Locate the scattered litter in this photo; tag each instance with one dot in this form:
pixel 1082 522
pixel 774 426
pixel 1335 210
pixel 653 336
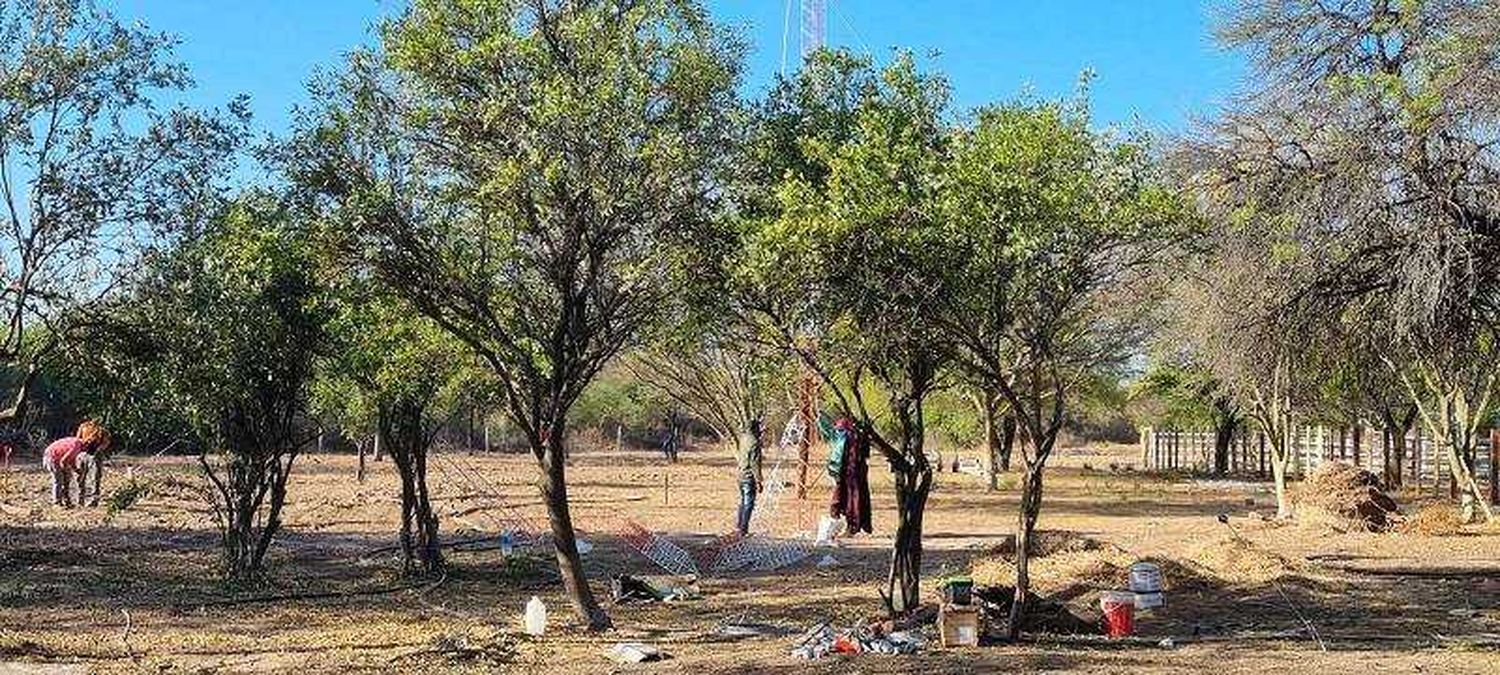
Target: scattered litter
pixel 1167 643
pixel 625 588
pixel 829 528
pixel 816 643
pixel 584 548
pixel 958 626
pixel 633 652
pixel 823 640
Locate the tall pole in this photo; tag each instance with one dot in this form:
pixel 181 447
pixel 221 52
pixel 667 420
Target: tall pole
pixel 806 410
pixel 814 26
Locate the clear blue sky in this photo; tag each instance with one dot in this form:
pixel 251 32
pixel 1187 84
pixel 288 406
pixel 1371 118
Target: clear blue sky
pixel 1154 60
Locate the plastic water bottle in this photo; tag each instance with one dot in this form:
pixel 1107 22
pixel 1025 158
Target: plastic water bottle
pixel 536 617
pixel 507 544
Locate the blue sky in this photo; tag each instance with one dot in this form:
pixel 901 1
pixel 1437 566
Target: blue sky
pixel 1154 61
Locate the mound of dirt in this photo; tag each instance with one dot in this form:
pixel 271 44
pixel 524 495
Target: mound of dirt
pixel 1235 560
pixel 1347 494
pixel 1048 542
pixel 1064 563
pixel 1434 520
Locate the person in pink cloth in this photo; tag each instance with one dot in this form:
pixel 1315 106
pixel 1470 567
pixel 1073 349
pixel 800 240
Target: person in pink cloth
pixel 80 455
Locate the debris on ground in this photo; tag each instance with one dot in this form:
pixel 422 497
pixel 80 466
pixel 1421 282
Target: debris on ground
pixel 625 588
pixel 828 561
pixel 634 652
pixel 1043 615
pixel 1347 498
pixel 958 626
pixel 823 640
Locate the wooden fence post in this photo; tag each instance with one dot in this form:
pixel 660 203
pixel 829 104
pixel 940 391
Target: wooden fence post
pixel 1495 466
pixel 1260 438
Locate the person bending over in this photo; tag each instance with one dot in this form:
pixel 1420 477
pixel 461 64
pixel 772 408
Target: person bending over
pixel 80 455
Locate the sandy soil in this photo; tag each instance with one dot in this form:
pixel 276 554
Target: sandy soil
pixel 136 590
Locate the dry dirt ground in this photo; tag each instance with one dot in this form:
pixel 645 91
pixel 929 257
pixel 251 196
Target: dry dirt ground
pixel 89 591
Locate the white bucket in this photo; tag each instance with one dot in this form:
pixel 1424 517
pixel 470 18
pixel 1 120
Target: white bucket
pixel 1148 600
pixel 1145 578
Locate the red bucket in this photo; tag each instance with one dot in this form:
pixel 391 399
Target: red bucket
pixel 1119 613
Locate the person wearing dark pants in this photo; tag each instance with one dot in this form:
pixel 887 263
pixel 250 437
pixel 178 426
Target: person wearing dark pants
pixel 748 459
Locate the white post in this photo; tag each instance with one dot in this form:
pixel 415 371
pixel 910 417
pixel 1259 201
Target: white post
pixel 486 435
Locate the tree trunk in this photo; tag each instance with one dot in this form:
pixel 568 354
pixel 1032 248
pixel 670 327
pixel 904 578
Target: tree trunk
pixel 1031 507
pixel 1277 434
pixel 991 445
pixel 402 425
pixel 1223 436
pixel 1007 441
pixel 549 454
pixel 903 592
pixel 1397 453
pixel 359 474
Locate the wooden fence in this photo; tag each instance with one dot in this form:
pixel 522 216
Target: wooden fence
pixel 1425 464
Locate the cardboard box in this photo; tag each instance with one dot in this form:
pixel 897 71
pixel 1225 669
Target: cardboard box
pixel 958 625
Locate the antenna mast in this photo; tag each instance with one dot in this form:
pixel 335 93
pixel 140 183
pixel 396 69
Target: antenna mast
pixel 814 25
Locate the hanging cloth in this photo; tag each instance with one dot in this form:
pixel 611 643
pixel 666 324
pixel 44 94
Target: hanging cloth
pixel 851 491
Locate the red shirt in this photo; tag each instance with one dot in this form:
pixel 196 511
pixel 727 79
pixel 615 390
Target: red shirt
pixel 64 452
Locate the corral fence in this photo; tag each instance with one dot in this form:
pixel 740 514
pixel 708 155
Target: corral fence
pixel 1424 464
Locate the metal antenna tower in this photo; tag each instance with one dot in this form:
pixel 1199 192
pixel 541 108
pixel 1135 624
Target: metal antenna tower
pixel 814 25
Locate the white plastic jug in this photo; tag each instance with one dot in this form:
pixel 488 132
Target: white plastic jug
pixel 828 529
pixel 536 617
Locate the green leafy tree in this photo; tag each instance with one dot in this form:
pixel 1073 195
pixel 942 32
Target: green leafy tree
pixel 93 177
pixel 224 332
pixel 1189 395
pixel 1050 226
pixel 533 177
pixel 842 277
pixel 401 374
